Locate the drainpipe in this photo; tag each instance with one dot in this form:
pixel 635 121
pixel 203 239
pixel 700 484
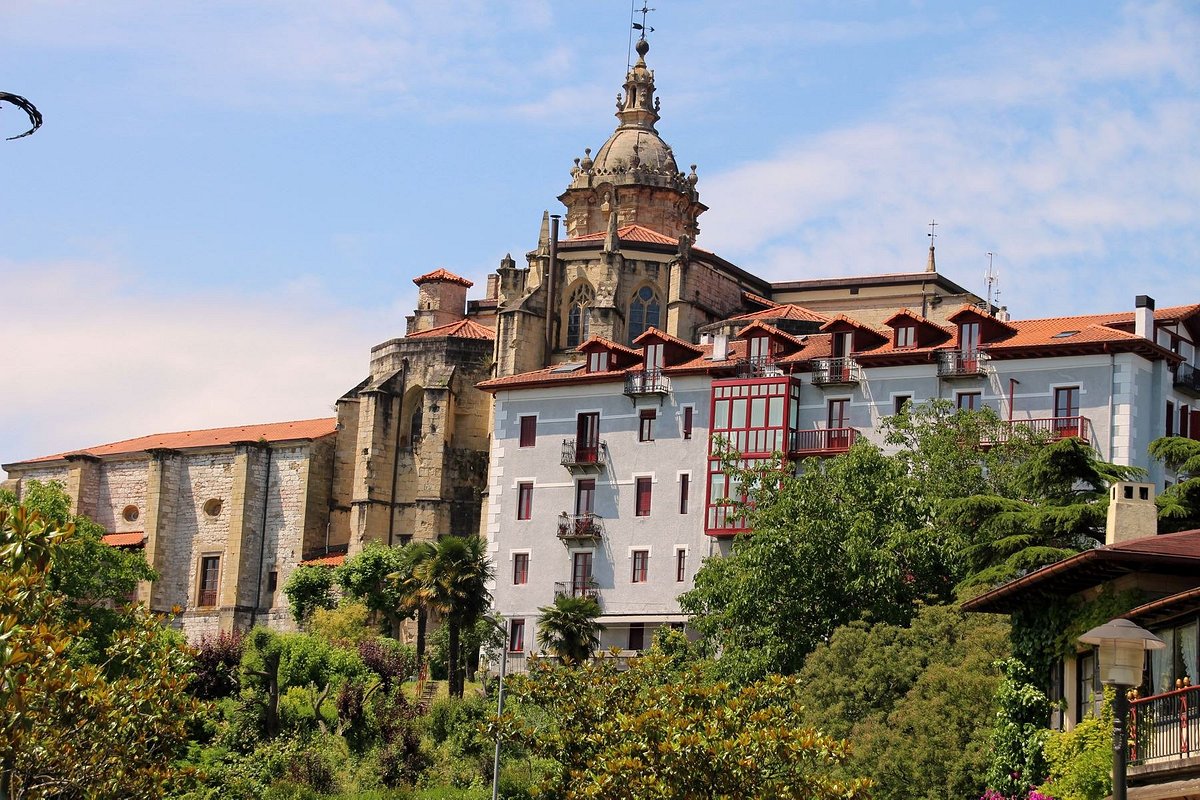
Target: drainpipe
pixel 398 418
pixel 262 542
pixel 1012 382
pixel 550 301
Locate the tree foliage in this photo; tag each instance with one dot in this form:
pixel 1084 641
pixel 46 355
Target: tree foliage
pixel 568 628
pixel 106 728
pixel 845 539
pixel 1079 761
pixel 1018 762
pixel 916 700
pixel 309 589
pixel 453 581
pixel 655 732
pixel 1179 506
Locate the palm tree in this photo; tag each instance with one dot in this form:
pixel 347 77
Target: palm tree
pixel 569 628
pixel 412 602
pixel 453 580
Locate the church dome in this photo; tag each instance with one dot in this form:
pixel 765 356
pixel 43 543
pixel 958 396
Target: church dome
pixel 628 148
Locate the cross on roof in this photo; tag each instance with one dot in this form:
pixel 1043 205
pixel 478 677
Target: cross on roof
pixel 641 26
pixel 932 231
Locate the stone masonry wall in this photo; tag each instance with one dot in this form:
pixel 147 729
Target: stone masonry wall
pixel 193 479
pixel 120 484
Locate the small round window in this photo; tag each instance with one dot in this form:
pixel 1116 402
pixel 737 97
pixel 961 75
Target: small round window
pixel 131 513
pixel 213 507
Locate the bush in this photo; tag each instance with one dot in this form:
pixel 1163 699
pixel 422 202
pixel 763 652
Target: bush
pixel 348 624
pixel 1078 762
pixel 216 666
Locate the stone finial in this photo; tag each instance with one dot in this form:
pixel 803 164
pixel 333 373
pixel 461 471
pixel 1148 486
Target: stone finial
pixel 692 177
pixel 586 162
pixel 612 242
pixel 507 262
pixel 544 235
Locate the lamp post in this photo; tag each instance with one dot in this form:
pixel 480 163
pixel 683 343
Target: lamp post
pixel 499 704
pixel 1122 657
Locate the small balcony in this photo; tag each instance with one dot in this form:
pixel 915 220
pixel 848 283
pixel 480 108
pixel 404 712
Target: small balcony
pixel 584 456
pixel 1054 427
pixel 1187 379
pixel 836 372
pixel 650 381
pixel 583 588
pixel 580 528
pixel 761 367
pixel 1164 734
pixel 960 364
pixel 826 442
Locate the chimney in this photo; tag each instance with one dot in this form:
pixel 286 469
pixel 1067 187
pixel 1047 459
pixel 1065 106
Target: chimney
pixel 1132 513
pixel 1143 317
pixel 720 346
pixel 492 284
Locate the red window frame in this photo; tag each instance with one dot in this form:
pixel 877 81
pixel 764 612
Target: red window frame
pixel 688 412
pixel 1066 402
pixel 641 566
pixel 516 636
pixel 685 485
pixel 524 501
pixel 585 496
pixel 643 487
pixel 968 401
pixel 528 431
pixel 520 568
pixel 646 419
pixel 680 565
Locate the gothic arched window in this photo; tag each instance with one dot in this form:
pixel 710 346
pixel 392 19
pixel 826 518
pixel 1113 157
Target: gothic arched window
pixel 577 315
pixel 643 312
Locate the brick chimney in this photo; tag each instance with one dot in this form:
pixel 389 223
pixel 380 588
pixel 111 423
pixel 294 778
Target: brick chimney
pixel 1132 513
pixel 1143 316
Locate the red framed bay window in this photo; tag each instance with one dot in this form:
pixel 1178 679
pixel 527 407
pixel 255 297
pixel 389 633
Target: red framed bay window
pixel 524 501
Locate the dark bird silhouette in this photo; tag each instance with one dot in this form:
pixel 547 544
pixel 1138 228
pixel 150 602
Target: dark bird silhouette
pixel 35 116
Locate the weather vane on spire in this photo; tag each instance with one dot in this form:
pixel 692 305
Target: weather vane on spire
pixel 932 231
pixel 641 26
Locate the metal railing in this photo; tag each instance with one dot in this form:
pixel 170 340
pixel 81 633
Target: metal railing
pixel 650 381
pixel 1164 726
pixel 826 441
pixel 836 372
pixel 952 363
pixel 1056 427
pixel 757 367
pixel 580 526
pixel 587 454
pixel 1187 377
pixel 584 588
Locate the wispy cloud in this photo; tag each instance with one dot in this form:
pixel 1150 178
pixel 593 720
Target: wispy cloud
pixel 1054 161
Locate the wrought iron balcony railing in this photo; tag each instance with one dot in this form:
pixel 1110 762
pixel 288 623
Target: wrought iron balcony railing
pixel 960 363
pixel 758 367
pixel 1187 378
pixel 580 527
pixel 1056 428
pixel 825 442
pixel 583 454
pixel 836 372
pixel 583 588
pixel 1164 726
pixel 650 381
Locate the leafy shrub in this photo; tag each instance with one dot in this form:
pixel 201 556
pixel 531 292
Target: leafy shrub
pixel 388 659
pixel 216 666
pixel 308 589
pixel 347 624
pixel 1079 761
pixel 1017 760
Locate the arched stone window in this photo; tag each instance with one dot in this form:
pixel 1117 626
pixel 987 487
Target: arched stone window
pixel 643 312
pixel 577 315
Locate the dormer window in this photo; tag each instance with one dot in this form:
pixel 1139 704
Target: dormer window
pixel 842 344
pixel 760 350
pixel 654 357
pixel 968 337
pixel 906 336
pixel 598 361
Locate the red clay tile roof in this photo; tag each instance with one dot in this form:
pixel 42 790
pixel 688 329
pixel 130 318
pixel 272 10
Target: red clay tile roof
pixel 608 344
pixel 787 311
pixel 751 297
pixel 463 329
pixel 655 333
pixel 629 233
pixel 130 539
pixel 905 313
pixel 769 330
pixel 440 274
pixel 551 375
pixel 335 560
pixel 211 437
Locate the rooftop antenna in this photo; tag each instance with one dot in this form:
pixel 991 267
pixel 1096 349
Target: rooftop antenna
pixel 992 280
pixel 636 26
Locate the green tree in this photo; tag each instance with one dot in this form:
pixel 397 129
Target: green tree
pixel 309 589
pixel 654 732
pixel 409 591
pixel 453 581
pixel 845 539
pixel 916 700
pixel 569 629
pixel 1019 732
pixel 108 728
pixel 1059 508
pixel 94 580
pixel 366 576
pixel 1179 506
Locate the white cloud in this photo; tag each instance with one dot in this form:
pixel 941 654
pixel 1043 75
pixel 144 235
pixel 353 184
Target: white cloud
pixel 91 358
pixel 1057 163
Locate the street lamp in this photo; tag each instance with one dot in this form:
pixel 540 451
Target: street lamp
pixel 1122 655
pixel 499 704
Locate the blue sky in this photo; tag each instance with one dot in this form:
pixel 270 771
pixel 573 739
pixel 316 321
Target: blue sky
pixel 229 199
